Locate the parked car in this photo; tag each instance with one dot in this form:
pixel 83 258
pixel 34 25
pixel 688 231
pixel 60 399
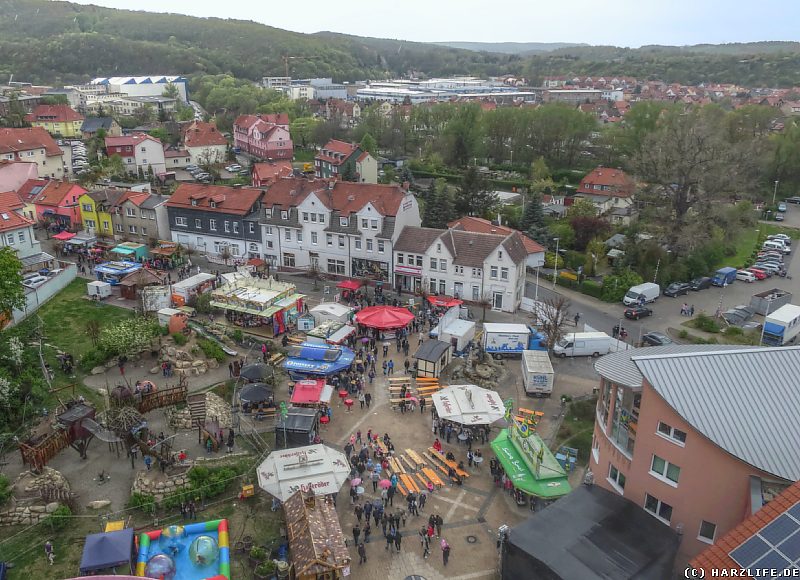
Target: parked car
pixel 779 217
pixel 677 288
pixel 233 168
pixel 769 267
pixel 745 276
pixel 191 168
pixel 759 274
pixel 701 283
pixel 794 199
pixel 34 281
pixel 637 312
pixel 782 206
pixel 655 339
pixel 783 237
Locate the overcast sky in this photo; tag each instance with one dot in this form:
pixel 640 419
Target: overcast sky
pixel 621 23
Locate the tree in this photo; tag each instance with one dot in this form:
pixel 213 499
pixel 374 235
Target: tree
pixel 369 145
pixel 463 135
pixel 12 293
pixel 615 286
pixel 171 91
pixel 586 228
pixel 438 206
pixel 349 172
pixel 144 115
pixel 552 317
pixel 484 302
pixel 93 331
pixel 474 196
pixel 539 170
pixel 582 208
pixel 595 257
pixel 315 272
pixel 533 216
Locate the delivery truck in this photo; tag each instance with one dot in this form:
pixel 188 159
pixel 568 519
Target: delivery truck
pixel 782 327
pixel 584 344
pixel 724 276
pixel 504 340
pixel 647 292
pixel 537 373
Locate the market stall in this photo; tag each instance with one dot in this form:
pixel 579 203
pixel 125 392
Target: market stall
pixel 185 290
pixel 252 302
pixel 114 272
pixel 332 311
pixel 129 251
pixel 311 393
pixel 132 284
pixel 63 236
pixel 384 317
pixel 330 332
pixel 432 356
pixel 469 405
pixel 298 428
pixel 311 468
pixel 453 330
pixel 111 552
pixel 444 301
pixel 316 543
pixel 166 255
pixel 317 360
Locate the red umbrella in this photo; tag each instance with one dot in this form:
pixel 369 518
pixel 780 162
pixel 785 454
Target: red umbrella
pixel 349 285
pixel 63 236
pixel 384 484
pixel 384 317
pixel 445 301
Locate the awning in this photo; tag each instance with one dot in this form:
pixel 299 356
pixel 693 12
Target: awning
pixel 315 468
pixel 308 392
pixel 384 317
pixel 546 486
pixel 445 301
pixel 124 251
pixel 468 404
pixel 289 301
pixel 38 258
pixel 63 236
pixel 349 285
pixel 340 335
pixel 266 313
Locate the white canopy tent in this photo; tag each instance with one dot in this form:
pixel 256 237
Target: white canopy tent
pixel 469 405
pixel 314 468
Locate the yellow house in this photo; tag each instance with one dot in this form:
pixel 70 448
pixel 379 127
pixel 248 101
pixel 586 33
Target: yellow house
pixel 97 211
pixel 57 120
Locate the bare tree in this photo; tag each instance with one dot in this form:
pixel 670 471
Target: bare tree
pixel 93 331
pixel 315 273
pixel 552 317
pixel 484 302
pixel 225 254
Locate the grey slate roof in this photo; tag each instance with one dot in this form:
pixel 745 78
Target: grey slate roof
pixel 515 247
pixel 470 248
pixel 431 350
pixel 153 201
pixel 293 220
pixel 745 400
pixel 93 124
pixel 416 240
pixel 335 226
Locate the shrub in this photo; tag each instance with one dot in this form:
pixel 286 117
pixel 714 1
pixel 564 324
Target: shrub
pixel 705 323
pixel 592 288
pixel 93 358
pixel 733 331
pixel 258 553
pixel 265 568
pixel 5 489
pixel 59 519
pixel 180 339
pixel 142 501
pixel 237 335
pixel 129 336
pixel 683 334
pixel 211 349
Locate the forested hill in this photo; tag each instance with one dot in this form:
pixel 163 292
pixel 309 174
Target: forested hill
pixel 53 42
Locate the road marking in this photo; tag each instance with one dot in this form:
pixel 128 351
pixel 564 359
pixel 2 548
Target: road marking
pixel 457 502
pixel 453 501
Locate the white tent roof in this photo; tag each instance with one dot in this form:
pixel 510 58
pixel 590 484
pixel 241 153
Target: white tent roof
pixel 469 405
pixel 333 309
pixel 314 468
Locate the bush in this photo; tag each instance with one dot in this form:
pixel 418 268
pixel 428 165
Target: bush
pixel 93 358
pixel 705 323
pixel 59 519
pixel 237 335
pixel 5 489
pixel 129 336
pixel 733 331
pixel 265 568
pixel 683 334
pixel 258 553
pixel 615 287
pixel 180 339
pixel 211 349
pixel 142 501
pixel 592 288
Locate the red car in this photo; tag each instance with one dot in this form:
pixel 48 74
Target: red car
pixel 759 274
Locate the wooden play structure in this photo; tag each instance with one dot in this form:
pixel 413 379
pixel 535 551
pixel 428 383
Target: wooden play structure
pixel 70 429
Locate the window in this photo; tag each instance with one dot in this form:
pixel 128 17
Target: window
pixel 369 245
pixel 459 270
pixel 434 263
pixel 130 212
pixel 493 273
pixel 443 265
pixel 90 223
pixel 433 285
pixel 476 292
pixel 314 237
pixel 357 243
pixel 499 254
pixel 314 218
pixel 105 225
pixel 336 266
pixel 658 508
pixel 595 450
pixel 300 235
pixel 22 236
pixel 212 203
pixel 284 215
pixel 329 239
pixel 439 247
pixel 152 215
pixel 198 223
pixel 664 470
pixel 341 241
pixel 288 260
pixel 212 225
pixel 399 258
pixel 120 230
pixel 194 202
pixel 235 227
pixel 707 532
pixel 179 221
pixel 668 432
pixel 322 218
pixel 227 226
pixel 251 227
pixel 287 234
pixel 132 229
pixel 476 273
pixel 364 223
pixel 343 222
pixel 87 207
pixel 381 246
pixel 616 479
pixel 374 224
pixel 268 212
pixel 10 238
pixel 504 273
pixel 268 230
pixel 305 216
pixel 419 261
pixel 144 231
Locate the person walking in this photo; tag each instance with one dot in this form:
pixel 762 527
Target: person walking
pixel 359 511
pixel 445 551
pixel 397 541
pixel 231 440
pixel 368 396
pixel 439 523
pixel 391 367
pixel 385 349
pixel 192 510
pixel 374 477
pixel 385 367
pixel 356 533
pixel 384 522
pixel 362 553
pixel 367 511
pixel 367 531
pixel 362 399
pixel 422 404
pixel 423 497
pixel 390 495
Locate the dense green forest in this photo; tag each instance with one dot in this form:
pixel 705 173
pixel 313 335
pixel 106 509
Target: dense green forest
pixel 60 42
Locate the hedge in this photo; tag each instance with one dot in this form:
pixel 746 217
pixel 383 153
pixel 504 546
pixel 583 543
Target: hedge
pixel 588 287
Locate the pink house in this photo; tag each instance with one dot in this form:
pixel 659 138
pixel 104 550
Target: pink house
pixel 700 437
pixel 263 136
pixel 14 173
pixel 58 202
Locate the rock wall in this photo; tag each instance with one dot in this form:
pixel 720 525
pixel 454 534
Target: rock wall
pixel 159 485
pixel 216 409
pixel 27 506
pixel 183 363
pixel 27 515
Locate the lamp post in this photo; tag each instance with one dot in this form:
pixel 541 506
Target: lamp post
pixel 775 191
pixel 555 264
pixel 536 293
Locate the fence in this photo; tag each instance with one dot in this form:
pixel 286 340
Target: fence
pixel 162 398
pixel 37 456
pixel 36 297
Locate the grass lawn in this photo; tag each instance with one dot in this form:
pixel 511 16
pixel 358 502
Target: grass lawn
pixel 577 428
pixel 304 155
pixel 66 315
pixel 746 242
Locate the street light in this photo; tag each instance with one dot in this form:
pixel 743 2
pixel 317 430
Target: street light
pixel 555 276
pixel 775 191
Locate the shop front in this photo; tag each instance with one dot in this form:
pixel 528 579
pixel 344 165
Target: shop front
pixel 409 278
pixel 372 269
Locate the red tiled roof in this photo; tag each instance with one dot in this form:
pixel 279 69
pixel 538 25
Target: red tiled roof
pixel 129 140
pixel 135 197
pixel 617 181
pixel 200 134
pixel 25 190
pixel 290 191
pixel 55 192
pixel 336 146
pixel 271 171
pixel 170 153
pixel 14 140
pixel 483 226
pixel 716 557
pixel 363 156
pixel 53 114
pixel 247 121
pixel 10 202
pixel 348 197
pixel 238 201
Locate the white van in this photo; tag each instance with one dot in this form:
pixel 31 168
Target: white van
pixel 745 276
pixel 776 245
pixel 649 291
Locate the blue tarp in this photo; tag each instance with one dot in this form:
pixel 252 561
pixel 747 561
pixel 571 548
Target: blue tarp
pixel 318 359
pixel 772 328
pixel 108 550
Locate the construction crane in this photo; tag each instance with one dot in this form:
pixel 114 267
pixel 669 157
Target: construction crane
pixel 287 58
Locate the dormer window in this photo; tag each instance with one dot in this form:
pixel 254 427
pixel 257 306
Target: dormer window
pixel 268 212
pixel 344 222
pixel 284 215
pixel 213 204
pixel 194 202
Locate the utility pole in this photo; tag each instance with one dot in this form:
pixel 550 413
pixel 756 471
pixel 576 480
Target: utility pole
pixel 555 264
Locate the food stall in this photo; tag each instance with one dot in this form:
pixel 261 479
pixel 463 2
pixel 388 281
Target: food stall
pixel 453 330
pixel 129 251
pixel 132 284
pixel 166 255
pixel 251 302
pixel 332 311
pixel 186 290
pixel 330 332
pixel 114 272
pixel 316 360
pixel 311 393
pixel 432 356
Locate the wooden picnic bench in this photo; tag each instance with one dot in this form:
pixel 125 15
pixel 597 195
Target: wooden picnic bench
pixel 432 477
pixel 421 477
pixel 399 380
pixel 396 466
pixel 276 358
pixel 401 488
pixel 409 483
pixel 448 463
pixel 428 390
pixel 427 380
pixel 415 458
pixel 438 466
pixel 382 446
pixel 411 465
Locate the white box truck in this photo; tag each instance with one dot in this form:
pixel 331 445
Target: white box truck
pixel 583 344
pixel 500 340
pixel 98 290
pixel 537 373
pixel 647 291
